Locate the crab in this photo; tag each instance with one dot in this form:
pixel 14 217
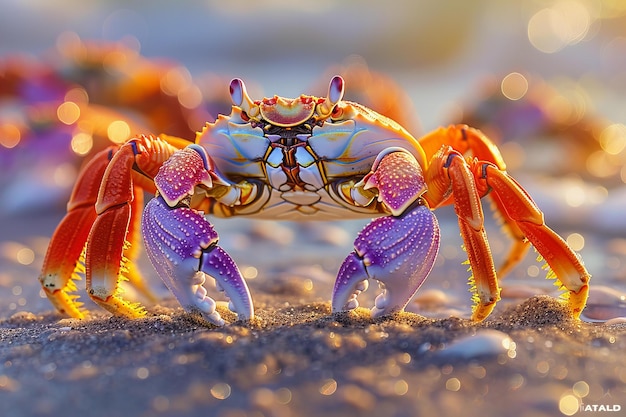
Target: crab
pixel 306 158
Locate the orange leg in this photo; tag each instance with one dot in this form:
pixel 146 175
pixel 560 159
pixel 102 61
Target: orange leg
pixel 566 266
pixel 131 251
pixel 469 180
pixel 463 139
pixel 108 257
pixel 99 235
pixel 484 281
pixel 63 262
pixel 470 141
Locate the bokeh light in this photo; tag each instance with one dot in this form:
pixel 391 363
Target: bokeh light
pixel 190 97
pixel 221 391
pixel 600 165
pixel 565 23
pixel 613 138
pixel 581 389
pixel 175 80
pixel 68 112
pixel 576 241
pixel 10 135
pixel 25 256
pixel 569 404
pixel 514 86
pixel 118 131
pixel 81 143
pixel 77 95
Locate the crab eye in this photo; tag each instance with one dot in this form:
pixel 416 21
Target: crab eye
pixel 237 91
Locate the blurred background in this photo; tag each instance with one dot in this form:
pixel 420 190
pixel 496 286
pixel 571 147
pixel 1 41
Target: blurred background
pixel 545 78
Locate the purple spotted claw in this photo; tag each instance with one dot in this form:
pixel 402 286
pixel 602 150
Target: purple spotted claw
pixel 182 247
pixel 398 252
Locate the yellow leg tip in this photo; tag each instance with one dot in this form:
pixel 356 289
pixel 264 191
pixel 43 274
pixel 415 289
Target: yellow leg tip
pixel 577 301
pixel 482 311
pixel 120 307
pixel 66 304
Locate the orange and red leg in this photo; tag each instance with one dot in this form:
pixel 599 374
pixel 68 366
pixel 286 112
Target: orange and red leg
pixel 100 232
pixel 64 261
pixel 470 179
pixel 469 141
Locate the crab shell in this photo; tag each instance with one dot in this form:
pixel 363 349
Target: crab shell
pixel 304 154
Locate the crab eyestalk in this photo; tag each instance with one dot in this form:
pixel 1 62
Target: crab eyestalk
pixel 240 98
pixel 335 94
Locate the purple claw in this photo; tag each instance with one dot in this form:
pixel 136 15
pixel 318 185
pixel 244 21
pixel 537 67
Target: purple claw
pixel 399 252
pixel 182 247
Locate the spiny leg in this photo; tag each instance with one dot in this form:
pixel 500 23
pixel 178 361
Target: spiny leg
pixel 107 257
pixel 108 260
pixel 398 250
pixel 64 260
pixel 469 141
pixel 483 149
pixel 131 250
pixel 467 205
pixel 567 268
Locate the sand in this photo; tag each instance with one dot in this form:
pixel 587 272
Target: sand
pixel 529 358
pixel 297 359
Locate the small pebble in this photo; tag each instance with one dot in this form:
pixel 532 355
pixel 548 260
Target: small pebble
pixel 603 295
pixel 520 291
pixel 431 297
pixel 616 320
pixel 600 313
pixel 484 343
pixel 23 317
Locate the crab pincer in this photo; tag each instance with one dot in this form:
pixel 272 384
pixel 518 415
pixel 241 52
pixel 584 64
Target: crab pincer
pixel 398 250
pixel 182 244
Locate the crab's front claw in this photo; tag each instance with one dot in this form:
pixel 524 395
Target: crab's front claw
pixel 182 247
pixel 398 252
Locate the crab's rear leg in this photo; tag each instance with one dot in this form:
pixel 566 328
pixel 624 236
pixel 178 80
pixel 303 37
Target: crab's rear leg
pixel 398 250
pixel 468 207
pixel 467 140
pixel 108 253
pixel 63 262
pixel 565 264
pixel 182 244
pixel 469 180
